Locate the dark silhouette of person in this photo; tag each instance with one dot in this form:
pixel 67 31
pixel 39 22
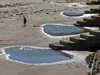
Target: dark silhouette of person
pixel 25 21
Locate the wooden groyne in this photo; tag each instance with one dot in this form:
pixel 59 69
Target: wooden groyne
pixel 93 21
pixel 93 3
pixel 86 41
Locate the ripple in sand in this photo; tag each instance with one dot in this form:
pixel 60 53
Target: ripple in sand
pixel 33 55
pixel 58 30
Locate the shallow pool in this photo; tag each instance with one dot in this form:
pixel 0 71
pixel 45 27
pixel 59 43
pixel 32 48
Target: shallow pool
pixel 33 55
pixel 60 30
pixel 73 13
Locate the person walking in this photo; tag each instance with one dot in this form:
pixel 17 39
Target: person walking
pixel 25 21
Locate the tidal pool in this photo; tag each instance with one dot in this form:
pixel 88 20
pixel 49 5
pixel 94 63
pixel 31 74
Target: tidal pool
pixel 33 55
pixel 76 14
pixel 73 13
pixel 59 30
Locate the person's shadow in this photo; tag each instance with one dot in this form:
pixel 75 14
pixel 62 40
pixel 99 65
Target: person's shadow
pixel 24 25
pixel 89 73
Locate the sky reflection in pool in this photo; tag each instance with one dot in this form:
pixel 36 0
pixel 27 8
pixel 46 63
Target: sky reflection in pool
pixel 34 55
pixel 59 30
pixel 73 13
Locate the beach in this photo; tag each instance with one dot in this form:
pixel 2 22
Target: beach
pixel 38 13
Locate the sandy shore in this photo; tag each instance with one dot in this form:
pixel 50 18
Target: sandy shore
pixel 14 34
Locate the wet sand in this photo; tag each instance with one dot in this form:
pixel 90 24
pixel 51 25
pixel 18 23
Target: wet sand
pixel 14 34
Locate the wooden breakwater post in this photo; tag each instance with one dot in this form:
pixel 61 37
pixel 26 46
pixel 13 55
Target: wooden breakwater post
pixel 86 41
pixel 93 3
pixel 93 21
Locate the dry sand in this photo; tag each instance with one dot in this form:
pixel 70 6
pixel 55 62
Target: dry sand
pixel 37 13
